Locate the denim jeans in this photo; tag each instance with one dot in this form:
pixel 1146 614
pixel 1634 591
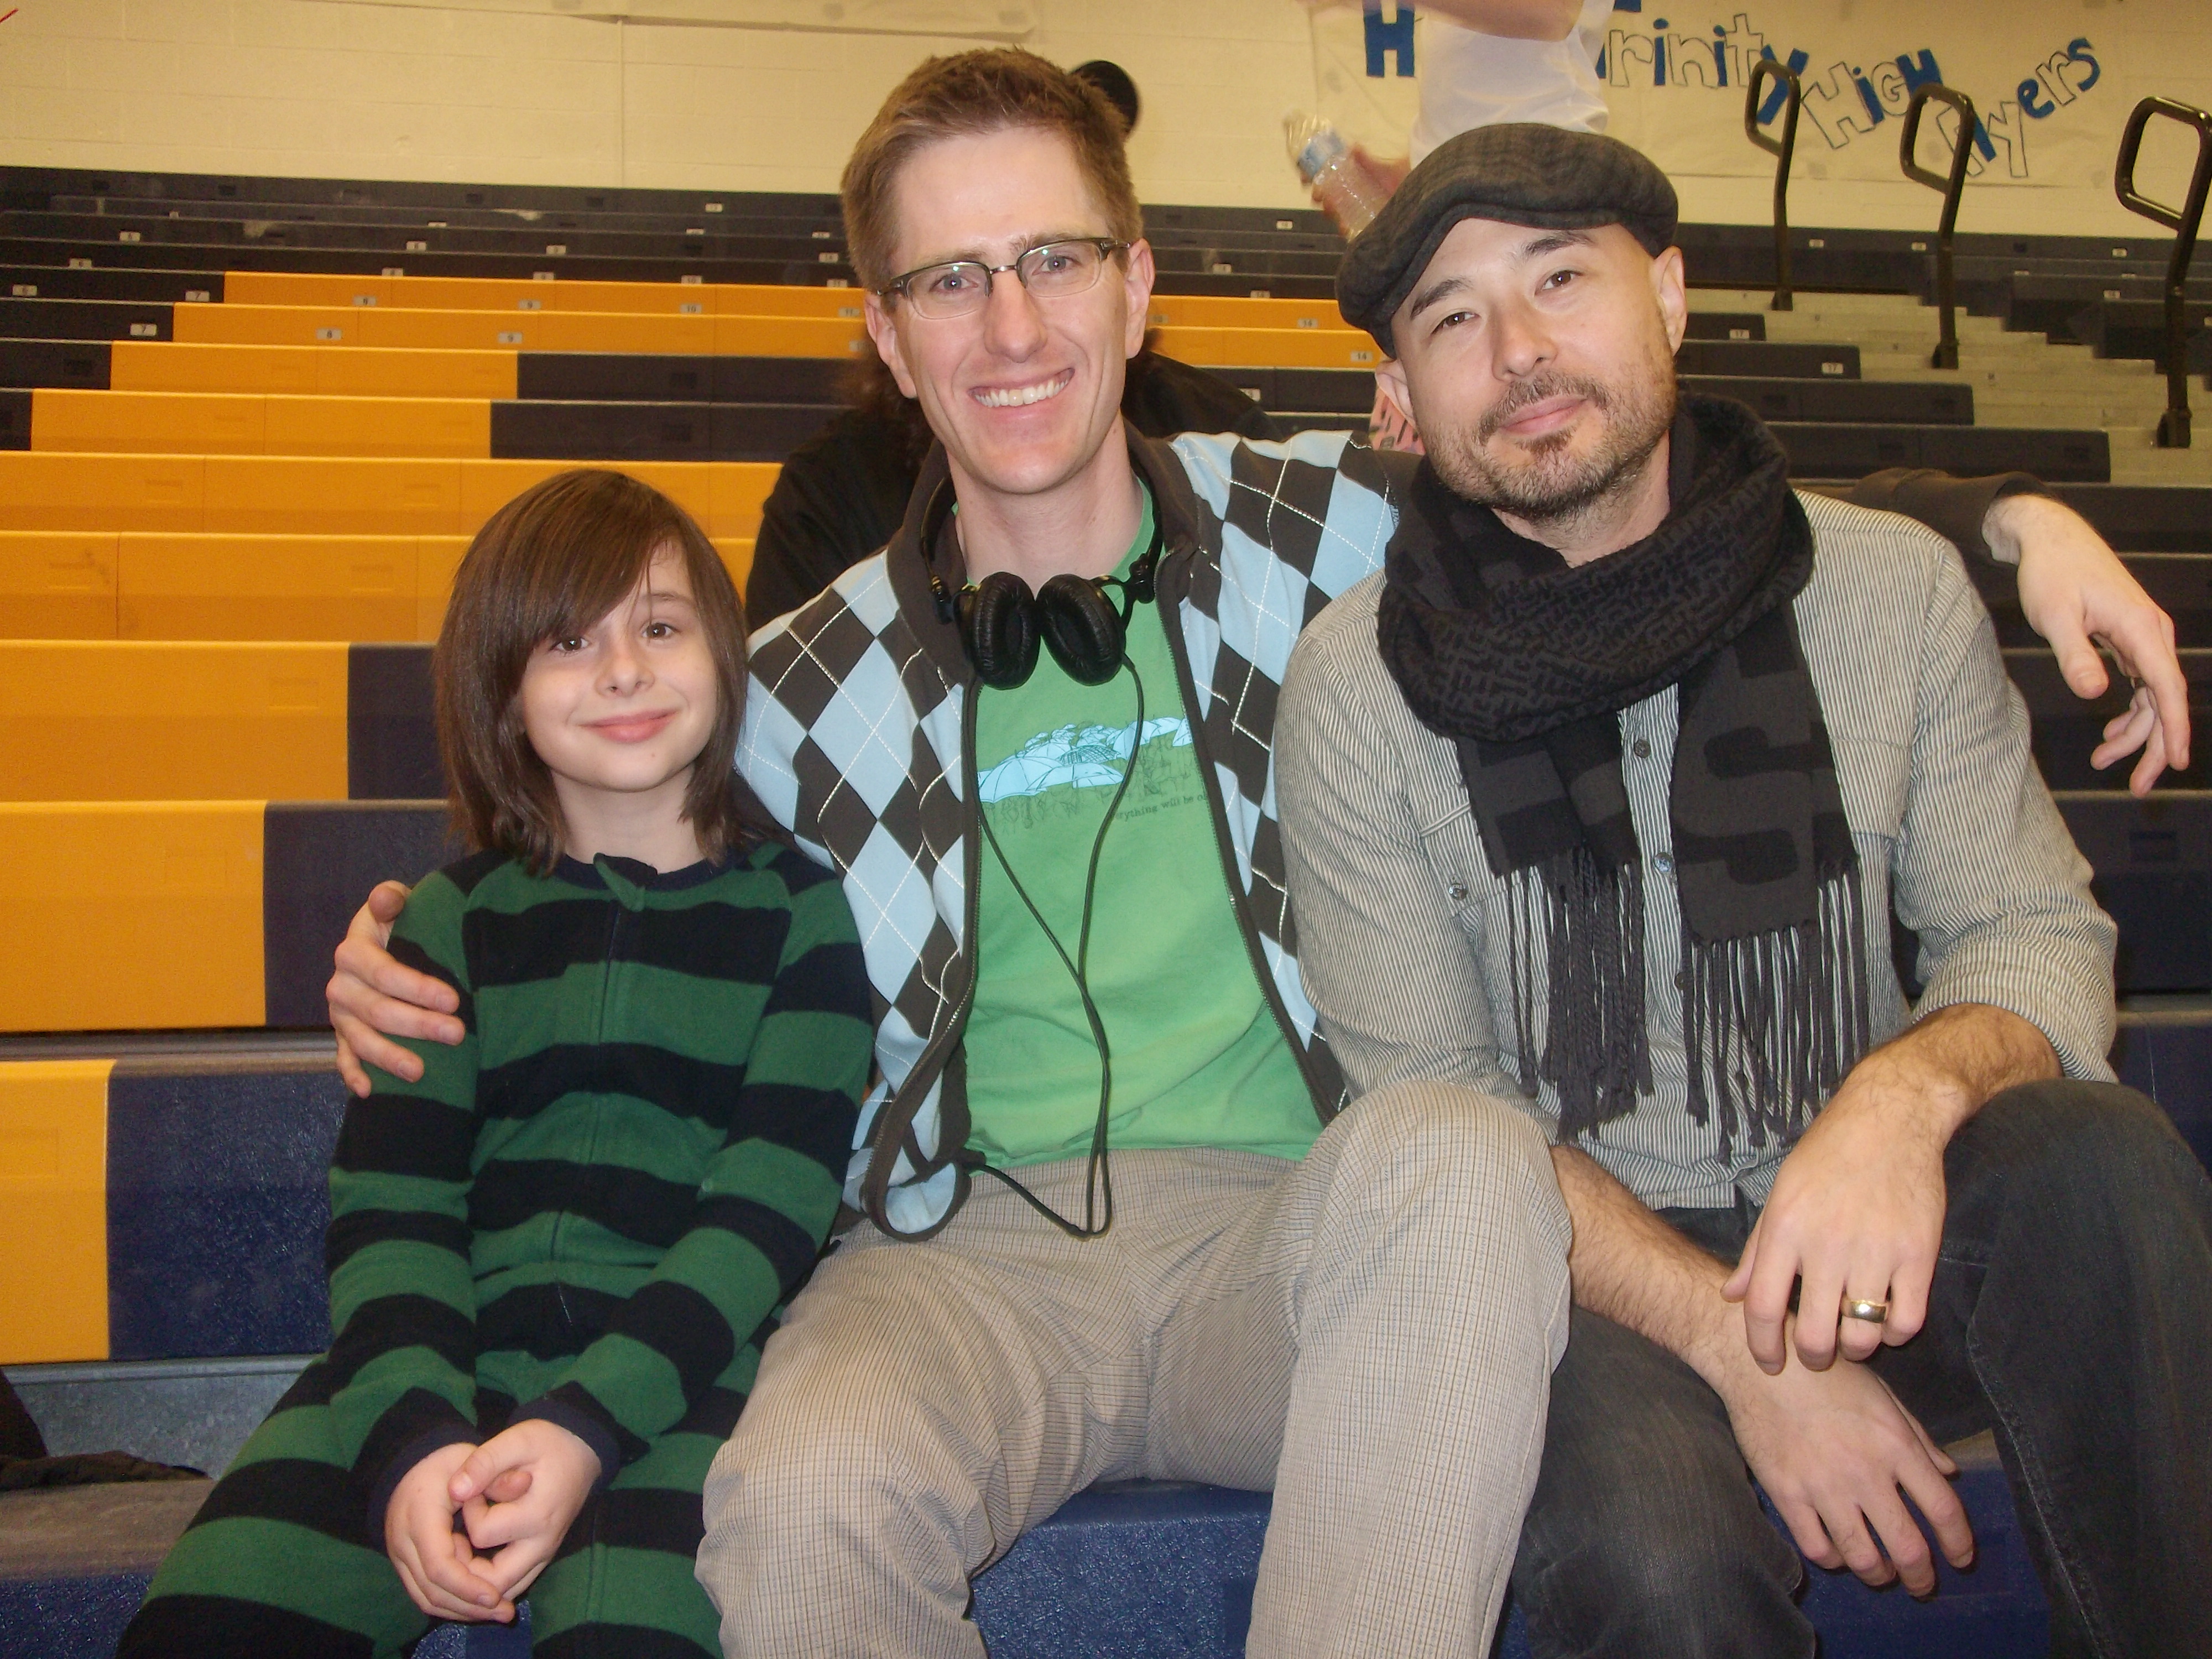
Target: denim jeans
pixel 2071 1312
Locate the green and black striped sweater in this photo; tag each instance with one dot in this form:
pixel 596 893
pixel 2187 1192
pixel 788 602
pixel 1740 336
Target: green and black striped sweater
pixel 594 1203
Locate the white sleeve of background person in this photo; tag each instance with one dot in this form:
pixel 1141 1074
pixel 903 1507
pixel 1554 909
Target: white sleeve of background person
pixel 1470 80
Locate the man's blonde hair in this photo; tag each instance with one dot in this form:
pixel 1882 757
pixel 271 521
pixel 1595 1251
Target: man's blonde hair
pixel 969 94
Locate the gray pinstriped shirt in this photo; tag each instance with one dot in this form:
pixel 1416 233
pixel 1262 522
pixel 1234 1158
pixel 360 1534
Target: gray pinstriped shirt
pixel 1402 924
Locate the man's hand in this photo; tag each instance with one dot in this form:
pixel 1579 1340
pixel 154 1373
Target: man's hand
pixel 2073 590
pixel 519 1495
pixel 372 997
pixel 441 1572
pixel 1857 1206
pixel 1832 1448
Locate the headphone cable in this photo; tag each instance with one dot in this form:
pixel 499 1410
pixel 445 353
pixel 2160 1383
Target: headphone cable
pixel 1098 1174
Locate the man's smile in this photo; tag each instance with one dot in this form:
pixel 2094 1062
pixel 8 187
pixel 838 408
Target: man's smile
pixel 1020 397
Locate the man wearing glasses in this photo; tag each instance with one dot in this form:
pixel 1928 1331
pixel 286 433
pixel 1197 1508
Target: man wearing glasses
pixel 1111 1223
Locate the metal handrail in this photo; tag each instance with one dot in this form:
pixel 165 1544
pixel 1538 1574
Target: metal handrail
pixel 1952 185
pixel 2173 424
pixel 1785 147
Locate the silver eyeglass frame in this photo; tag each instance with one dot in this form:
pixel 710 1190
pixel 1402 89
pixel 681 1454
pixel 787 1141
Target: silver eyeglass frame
pixel 899 287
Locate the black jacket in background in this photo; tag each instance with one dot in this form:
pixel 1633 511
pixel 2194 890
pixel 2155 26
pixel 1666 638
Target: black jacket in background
pixel 843 492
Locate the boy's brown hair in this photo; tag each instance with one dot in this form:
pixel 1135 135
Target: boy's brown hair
pixel 968 94
pixel 552 562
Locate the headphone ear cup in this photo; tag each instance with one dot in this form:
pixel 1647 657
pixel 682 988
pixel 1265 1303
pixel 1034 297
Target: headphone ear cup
pixel 998 626
pixel 1081 627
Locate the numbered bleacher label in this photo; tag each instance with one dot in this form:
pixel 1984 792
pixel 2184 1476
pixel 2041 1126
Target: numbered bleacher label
pixel 330 335
pixel 510 336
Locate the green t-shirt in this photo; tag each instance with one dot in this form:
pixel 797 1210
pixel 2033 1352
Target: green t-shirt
pixel 1199 1060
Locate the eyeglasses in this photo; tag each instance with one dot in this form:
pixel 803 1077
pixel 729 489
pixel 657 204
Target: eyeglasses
pixel 959 287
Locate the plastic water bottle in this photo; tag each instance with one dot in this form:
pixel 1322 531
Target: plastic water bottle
pixel 1325 162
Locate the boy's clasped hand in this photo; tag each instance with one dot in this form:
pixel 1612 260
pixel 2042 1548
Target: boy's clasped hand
pixel 514 1497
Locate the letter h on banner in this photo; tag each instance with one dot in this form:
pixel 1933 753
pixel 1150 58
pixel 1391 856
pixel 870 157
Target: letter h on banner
pixel 1394 36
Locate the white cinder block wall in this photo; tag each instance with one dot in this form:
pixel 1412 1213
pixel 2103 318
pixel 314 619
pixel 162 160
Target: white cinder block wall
pixel 335 88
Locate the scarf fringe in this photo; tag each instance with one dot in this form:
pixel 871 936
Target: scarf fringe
pixel 1773 1022
pixel 1595 1052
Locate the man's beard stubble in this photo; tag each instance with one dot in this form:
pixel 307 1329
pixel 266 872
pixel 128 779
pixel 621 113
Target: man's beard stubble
pixel 1551 489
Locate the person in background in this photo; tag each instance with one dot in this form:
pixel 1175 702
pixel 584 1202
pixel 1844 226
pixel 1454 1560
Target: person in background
pixel 842 493
pixel 552 1253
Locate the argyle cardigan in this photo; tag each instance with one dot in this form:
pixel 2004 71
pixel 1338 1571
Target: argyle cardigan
pixel 858 736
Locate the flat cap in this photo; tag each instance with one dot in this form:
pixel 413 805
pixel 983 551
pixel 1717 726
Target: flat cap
pixel 1519 174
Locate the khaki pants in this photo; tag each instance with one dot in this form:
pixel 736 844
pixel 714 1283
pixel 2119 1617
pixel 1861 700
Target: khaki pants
pixel 1370 1332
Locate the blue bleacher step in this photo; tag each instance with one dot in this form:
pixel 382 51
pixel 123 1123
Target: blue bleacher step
pixel 1137 1570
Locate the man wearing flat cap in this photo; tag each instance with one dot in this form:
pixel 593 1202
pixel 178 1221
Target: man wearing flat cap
pixel 1601 797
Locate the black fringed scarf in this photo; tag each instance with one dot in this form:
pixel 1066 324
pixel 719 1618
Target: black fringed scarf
pixel 1525 663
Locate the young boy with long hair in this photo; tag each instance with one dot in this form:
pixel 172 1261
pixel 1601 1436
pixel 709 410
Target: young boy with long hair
pixel 553 1259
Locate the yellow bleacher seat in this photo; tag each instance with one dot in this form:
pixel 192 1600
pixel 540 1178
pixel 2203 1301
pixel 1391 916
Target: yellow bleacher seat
pixel 304 288
pixel 330 371
pixel 395 327
pixel 130 915
pixel 149 423
pixel 351 495
pixel 270 588
pixel 548 330
pixel 134 720
pixel 101 492
pixel 57 585
pixel 53 1184
pixel 272 494
pixel 253 423
pixel 83 585
pixel 256 287
pixel 459 427
pixel 1226 311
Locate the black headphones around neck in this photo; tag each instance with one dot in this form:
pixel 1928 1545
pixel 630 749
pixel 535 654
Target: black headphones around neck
pixel 1002 622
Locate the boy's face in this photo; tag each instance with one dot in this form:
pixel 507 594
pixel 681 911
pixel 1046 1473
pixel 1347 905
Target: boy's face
pixel 624 706
pixel 1023 392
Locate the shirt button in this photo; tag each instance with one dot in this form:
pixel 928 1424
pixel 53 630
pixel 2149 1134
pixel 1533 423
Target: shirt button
pixel 1458 891
pixel 1641 749
pixel 1663 863
pixel 1681 979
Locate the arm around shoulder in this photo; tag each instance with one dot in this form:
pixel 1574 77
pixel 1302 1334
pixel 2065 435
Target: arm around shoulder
pixel 1984 872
